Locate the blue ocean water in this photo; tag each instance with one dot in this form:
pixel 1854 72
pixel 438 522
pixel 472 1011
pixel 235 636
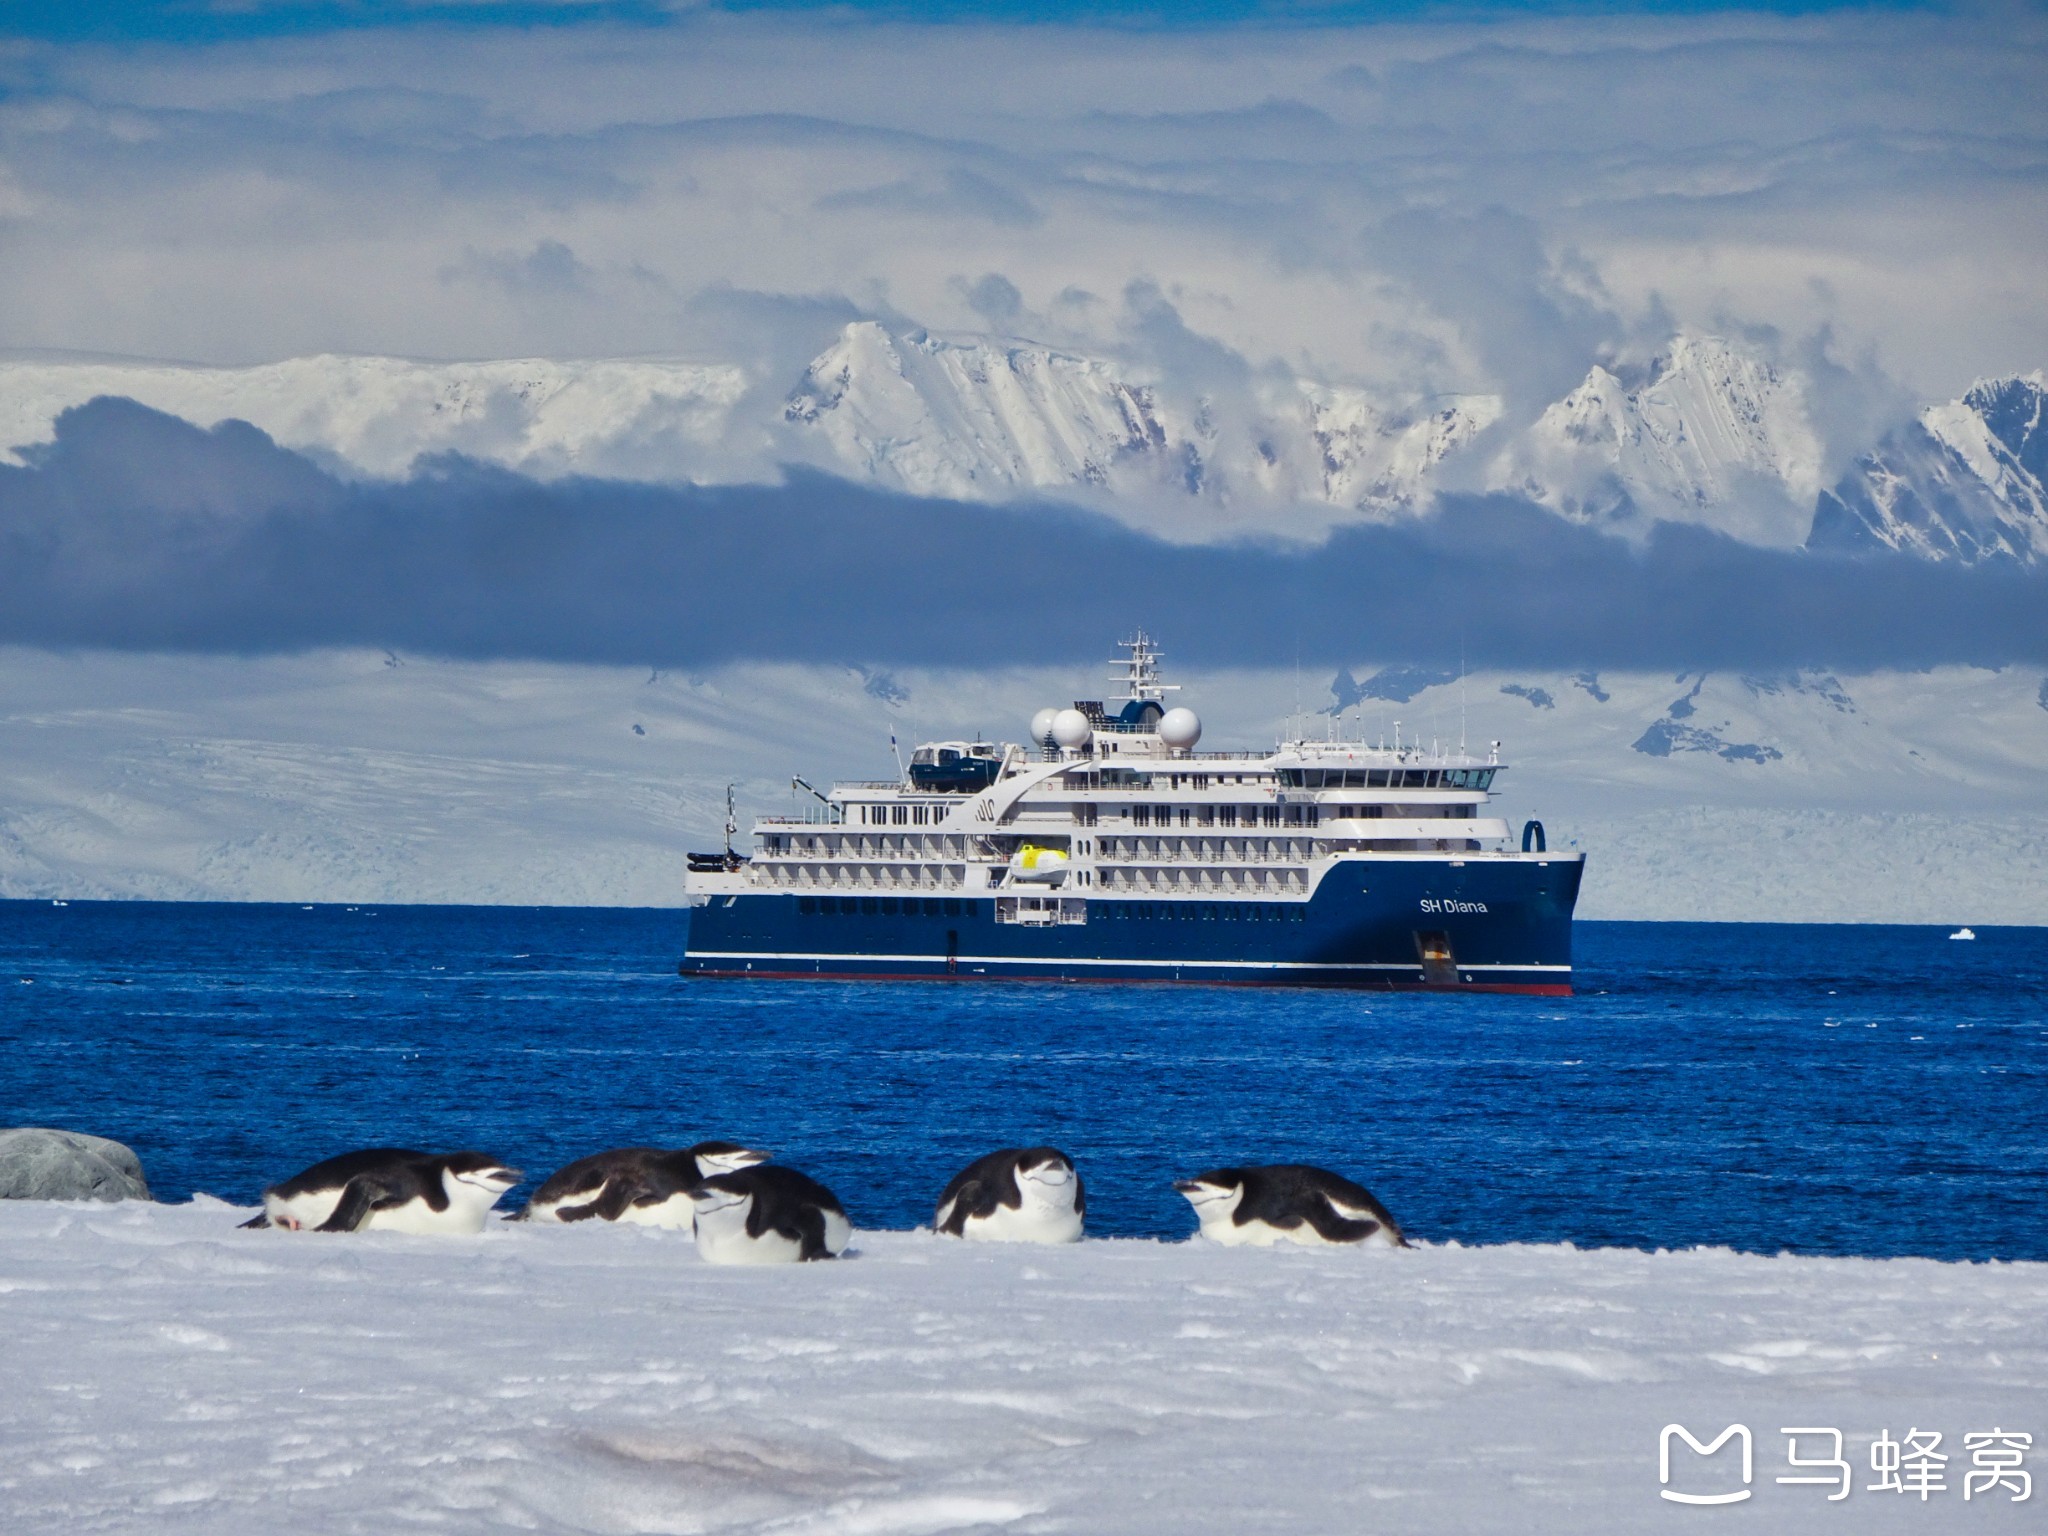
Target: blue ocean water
pixel 1842 1090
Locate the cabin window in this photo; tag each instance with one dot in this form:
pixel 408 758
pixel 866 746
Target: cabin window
pixel 952 905
pixel 1186 816
pixel 1208 816
pixel 807 905
pixel 1141 815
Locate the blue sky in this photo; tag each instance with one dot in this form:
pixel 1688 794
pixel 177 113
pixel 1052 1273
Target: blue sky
pixel 199 20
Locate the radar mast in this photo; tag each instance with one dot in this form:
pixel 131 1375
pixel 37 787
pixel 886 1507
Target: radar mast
pixel 1139 671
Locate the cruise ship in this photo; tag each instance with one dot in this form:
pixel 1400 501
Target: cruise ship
pixel 1108 848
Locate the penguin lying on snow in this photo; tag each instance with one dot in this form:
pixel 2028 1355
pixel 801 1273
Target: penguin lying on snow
pixel 1017 1195
pixel 389 1189
pixel 768 1215
pixel 1286 1203
pixel 643 1186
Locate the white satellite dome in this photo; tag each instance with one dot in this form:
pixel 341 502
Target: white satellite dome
pixel 1070 728
pixel 1180 728
pixel 1041 725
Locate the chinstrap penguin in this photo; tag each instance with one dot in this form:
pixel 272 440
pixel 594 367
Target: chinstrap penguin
pixel 768 1215
pixel 643 1186
pixel 1017 1195
pixel 389 1189
pixel 1287 1203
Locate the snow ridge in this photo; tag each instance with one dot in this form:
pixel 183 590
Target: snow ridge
pixel 375 415
pixel 1967 481
pixel 1711 433
pixel 1714 436
pixel 973 417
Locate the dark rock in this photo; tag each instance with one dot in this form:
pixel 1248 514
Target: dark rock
pixel 41 1164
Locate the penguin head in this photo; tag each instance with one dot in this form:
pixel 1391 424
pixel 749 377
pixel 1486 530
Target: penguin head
pixel 1214 1195
pixel 713 1199
pixel 716 1157
pixel 474 1179
pixel 1045 1173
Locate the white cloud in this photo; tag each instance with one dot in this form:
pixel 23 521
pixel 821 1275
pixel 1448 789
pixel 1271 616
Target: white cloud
pixel 1420 208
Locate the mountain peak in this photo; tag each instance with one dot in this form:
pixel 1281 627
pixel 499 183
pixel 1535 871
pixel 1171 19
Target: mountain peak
pixel 1967 480
pixel 1713 434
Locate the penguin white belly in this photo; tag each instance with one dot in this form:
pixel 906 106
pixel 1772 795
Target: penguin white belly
pixel 676 1214
pixel 303 1212
pixel 722 1239
pixel 1029 1223
pixel 1253 1234
pixel 461 1218
pixel 549 1210
pixel 838 1233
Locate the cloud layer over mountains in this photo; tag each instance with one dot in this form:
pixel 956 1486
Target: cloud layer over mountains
pixel 1432 208
pixel 1634 269
pixel 136 530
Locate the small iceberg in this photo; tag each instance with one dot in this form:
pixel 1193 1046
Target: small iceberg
pixel 1963 933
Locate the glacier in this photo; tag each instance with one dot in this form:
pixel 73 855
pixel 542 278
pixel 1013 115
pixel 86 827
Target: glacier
pixel 361 776
pixel 168 1370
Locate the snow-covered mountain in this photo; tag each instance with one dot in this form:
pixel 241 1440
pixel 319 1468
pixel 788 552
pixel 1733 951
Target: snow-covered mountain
pixel 976 417
pixel 630 418
pixel 979 418
pixel 1967 481
pixel 1709 434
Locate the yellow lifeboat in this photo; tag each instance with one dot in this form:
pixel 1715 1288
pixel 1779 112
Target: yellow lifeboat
pixel 1045 866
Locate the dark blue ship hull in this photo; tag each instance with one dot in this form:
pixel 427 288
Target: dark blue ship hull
pixel 1481 925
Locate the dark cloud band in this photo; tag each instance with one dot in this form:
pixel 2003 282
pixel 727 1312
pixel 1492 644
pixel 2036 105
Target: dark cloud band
pixel 136 530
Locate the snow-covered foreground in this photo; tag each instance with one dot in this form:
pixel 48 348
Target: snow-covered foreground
pixel 166 1371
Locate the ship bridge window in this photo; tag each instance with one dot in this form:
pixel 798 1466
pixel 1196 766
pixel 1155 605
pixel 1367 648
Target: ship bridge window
pixel 1469 778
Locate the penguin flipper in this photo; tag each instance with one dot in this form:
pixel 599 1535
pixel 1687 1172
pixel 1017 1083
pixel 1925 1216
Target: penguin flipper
pixel 810 1232
pixel 973 1198
pixel 358 1199
pixel 1334 1228
pixel 260 1219
pixel 618 1197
